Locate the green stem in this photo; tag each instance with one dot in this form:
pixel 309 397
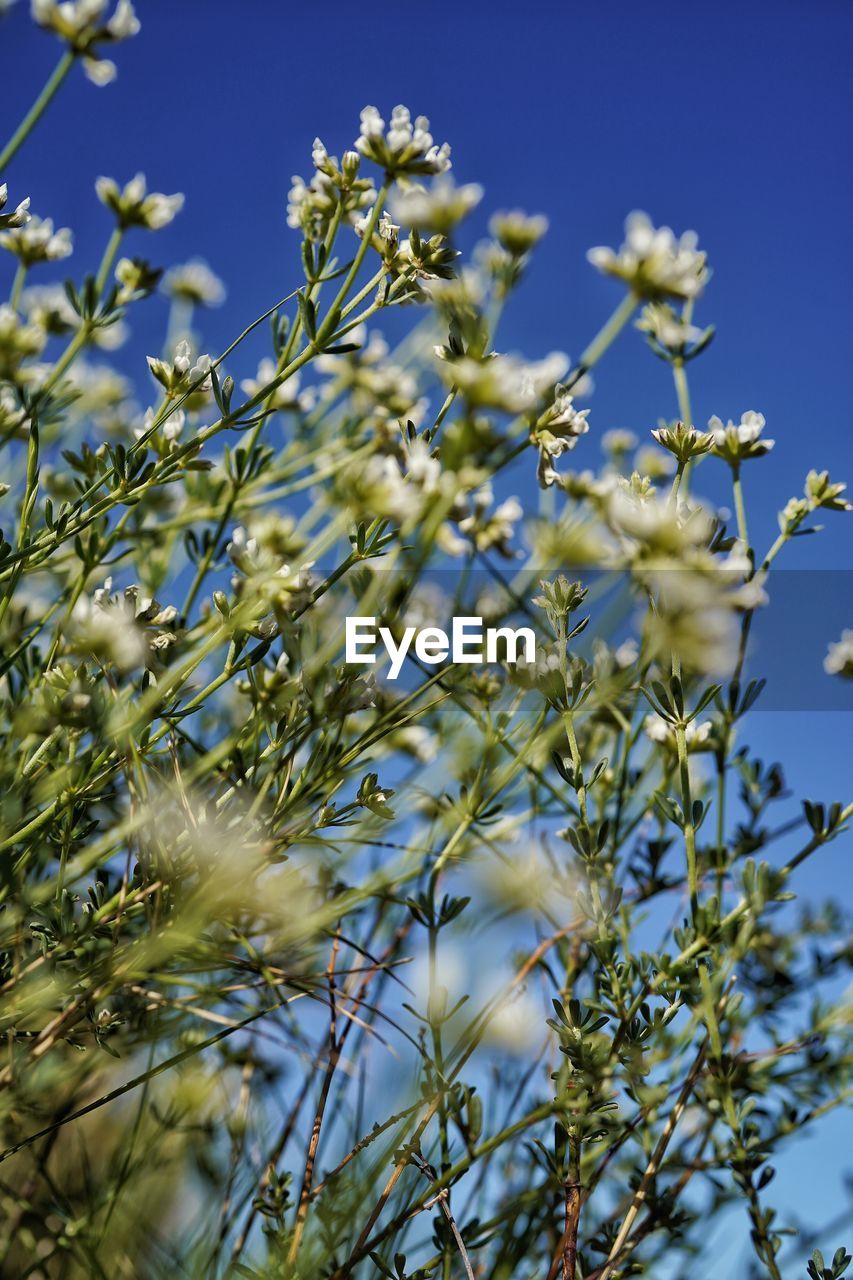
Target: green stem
pixel 38 108
pixel 17 285
pixel 605 337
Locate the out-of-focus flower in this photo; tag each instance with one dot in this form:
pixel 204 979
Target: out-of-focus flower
pixel 485 526
pixel 504 382
pixel 19 216
pixel 83 26
pixel 137 279
pixel 737 442
pixel 135 206
pixel 438 208
pixel 822 493
pixel 618 441
pixel 286 395
pixel 36 241
pixel 124 630
pixel 194 282
pixel 19 341
pixel 518 232
pixel 670 335
pixel 839 657
pixel 406 149
pixel 652 262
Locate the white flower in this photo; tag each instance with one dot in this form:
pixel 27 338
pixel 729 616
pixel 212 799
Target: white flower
pixel 557 431
pixel 667 327
pixel 505 382
pixel 80 23
pixel 517 232
pixel 660 730
pixel 406 148
pixel 36 241
pixel 839 657
pixel 181 374
pixel 735 442
pixel 194 282
pixel 438 208
pixel 108 631
pixel 652 262
pixel 18 341
pixel 20 216
pixel 286 395
pixel 135 207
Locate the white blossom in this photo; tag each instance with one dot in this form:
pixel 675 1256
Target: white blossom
pixel 36 241
pixel 736 442
pixel 135 206
pixel 503 381
pixel 406 147
pixel 653 262
pixel 839 657
pixel 194 282
pixel 286 395
pixel 20 216
pixel 437 208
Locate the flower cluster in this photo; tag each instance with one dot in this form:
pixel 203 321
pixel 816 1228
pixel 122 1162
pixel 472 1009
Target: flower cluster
pixel 83 26
pixel 135 206
pixel 652 262
pixel 737 442
pixel 36 241
pixel 406 149
pixel 336 190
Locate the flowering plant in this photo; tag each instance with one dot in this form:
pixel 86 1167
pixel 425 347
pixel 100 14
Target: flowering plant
pixel 494 969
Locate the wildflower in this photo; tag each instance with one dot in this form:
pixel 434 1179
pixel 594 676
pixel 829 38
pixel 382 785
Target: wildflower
pixel 439 208
pixel 36 241
pixel 683 441
pixel 557 432
pixel 162 437
pixel 81 24
pixel 661 731
pixel 516 232
pixel 491 529
pixel 670 335
pixel 19 217
pixel 652 463
pixel 135 206
pixel 406 148
pixel 652 262
pixel 737 442
pixel 505 382
pixel 19 341
pixel 618 441
pixel 374 797
pixel 286 395
pixel 335 187
pixel 110 628
pixel 839 657
pixel 12 416
pixel 423 260
pixel 137 279
pixel 195 283
pixel 180 374
pixel 821 493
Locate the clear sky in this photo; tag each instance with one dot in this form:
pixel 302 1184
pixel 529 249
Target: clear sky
pixel 730 118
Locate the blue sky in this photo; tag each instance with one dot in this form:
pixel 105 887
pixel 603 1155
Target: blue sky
pixel 732 118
